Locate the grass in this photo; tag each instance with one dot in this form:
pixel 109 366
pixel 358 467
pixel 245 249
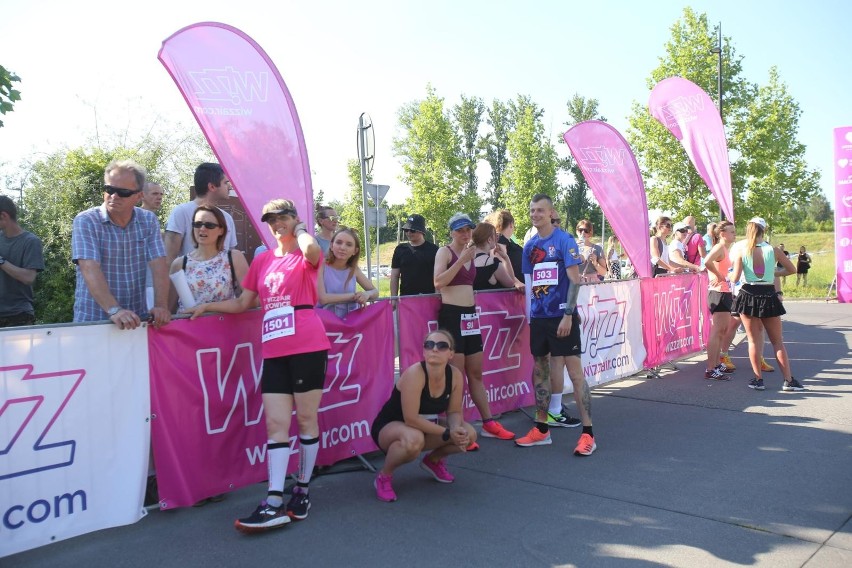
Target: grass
pixel 821 248
pixel 819 245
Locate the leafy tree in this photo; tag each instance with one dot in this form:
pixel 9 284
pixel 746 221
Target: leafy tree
pixel 432 164
pixel 468 117
pixel 671 180
pixel 576 201
pixel 532 161
pixel 8 95
pixel 495 147
pixel 773 160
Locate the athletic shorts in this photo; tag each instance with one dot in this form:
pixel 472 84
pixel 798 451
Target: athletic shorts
pixel 543 340
pixel 449 318
pixel 298 373
pixel 720 301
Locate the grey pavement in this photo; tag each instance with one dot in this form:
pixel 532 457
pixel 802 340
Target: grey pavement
pixel 688 472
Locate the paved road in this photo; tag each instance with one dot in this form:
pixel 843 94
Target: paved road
pixel 688 473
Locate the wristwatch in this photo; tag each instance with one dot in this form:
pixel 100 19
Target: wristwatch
pixel 114 310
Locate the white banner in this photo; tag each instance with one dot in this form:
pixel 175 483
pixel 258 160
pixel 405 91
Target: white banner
pixel 611 334
pixel 74 432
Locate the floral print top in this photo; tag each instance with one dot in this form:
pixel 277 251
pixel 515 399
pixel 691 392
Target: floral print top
pixel 209 280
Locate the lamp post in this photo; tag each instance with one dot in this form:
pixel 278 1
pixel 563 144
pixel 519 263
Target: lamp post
pixel 718 51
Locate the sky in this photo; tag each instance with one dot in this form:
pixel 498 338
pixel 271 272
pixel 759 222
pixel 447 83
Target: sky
pixel 90 67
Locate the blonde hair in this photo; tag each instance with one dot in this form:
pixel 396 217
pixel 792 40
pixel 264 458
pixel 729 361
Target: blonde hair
pixel 753 233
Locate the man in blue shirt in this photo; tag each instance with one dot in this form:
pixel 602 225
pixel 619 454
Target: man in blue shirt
pixel 112 245
pixel 550 260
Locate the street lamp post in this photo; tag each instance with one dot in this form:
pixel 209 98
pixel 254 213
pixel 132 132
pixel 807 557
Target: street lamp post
pixel 718 51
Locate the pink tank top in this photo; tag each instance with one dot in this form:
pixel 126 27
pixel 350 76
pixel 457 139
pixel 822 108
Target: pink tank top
pixel 723 266
pixel 465 276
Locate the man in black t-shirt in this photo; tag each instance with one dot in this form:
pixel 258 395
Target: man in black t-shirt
pixel 414 261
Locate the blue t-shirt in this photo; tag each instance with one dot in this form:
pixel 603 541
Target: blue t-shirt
pixel 545 260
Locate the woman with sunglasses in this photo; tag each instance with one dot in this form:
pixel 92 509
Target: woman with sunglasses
pixel 659 248
pixel 212 273
pixel 340 272
pixel 677 250
pixel 408 424
pixel 454 274
pixel 593 268
pixel 295 354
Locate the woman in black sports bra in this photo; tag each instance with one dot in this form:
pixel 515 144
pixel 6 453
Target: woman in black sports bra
pixel 407 425
pixel 493 267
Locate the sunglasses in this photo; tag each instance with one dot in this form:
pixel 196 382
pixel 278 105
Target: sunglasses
pixel 683 230
pixel 120 191
pixel 205 224
pixel 331 218
pixel 583 230
pixel 669 225
pixel 441 345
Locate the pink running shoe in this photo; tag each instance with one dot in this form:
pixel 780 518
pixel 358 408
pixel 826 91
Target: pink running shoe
pixel 494 429
pixel 384 490
pixel 438 470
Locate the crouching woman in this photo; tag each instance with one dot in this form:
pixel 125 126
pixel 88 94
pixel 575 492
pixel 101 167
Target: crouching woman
pixel 403 430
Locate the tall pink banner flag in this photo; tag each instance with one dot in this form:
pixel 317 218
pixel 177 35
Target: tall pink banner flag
pixel 608 164
pixel 689 114
pixel 245 110
pixel 843 211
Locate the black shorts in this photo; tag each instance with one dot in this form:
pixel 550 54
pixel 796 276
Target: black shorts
pixel 759 301
pixel 720 301
pixel 298 373
pixel 543 340
pixel 449 318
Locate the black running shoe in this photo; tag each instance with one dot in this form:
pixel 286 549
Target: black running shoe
pixel 264 518
pixel 298 506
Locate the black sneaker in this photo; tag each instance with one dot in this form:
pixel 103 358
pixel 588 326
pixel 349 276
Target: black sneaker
pixel 562 420
pixel 298 506
pixel 714 374
pixel 793 385
pixel 264 518
pixel 756 384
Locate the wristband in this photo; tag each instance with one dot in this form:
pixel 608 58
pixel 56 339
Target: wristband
pixel 446 435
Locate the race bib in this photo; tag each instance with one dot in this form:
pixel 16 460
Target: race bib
pixel 279 322
pixel 545 274
pixel 470 324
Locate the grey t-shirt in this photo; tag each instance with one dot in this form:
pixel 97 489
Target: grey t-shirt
pixel 180 221
pixel 24 251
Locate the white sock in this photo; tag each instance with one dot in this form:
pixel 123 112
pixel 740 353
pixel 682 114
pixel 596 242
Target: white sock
pixel 277 460
pixel 555 403
pixel 308 449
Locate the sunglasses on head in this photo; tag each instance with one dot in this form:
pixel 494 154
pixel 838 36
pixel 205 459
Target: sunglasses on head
pixel 121 191
pixel 683 230
pixel 205 224
pixel 441 345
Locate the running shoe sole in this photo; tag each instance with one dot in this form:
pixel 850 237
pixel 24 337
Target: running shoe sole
pixel 254 529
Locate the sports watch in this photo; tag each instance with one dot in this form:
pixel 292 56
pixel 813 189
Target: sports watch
pixel 114 310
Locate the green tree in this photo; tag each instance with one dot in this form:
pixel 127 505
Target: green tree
pixel 576 201
pixel 671 180
pixel 773 162
pixel 532 161
pixel 8 94
pixel 432 164
pixel 468 117
pixel 495 147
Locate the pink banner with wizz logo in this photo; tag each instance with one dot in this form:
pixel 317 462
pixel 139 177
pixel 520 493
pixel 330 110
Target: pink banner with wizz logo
pixel 247 114
pixel 208 431
pixel 608 164
pixel 506 361
pixel 843 212
pixel 689 114
pixel 671 317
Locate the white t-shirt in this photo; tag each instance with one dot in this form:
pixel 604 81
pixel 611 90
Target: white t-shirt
pixel 180 222
pixel 673 246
